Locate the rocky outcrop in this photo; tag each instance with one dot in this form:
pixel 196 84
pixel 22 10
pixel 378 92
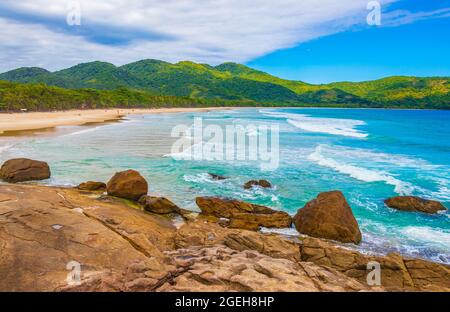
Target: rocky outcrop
pixel 223 269
pixel 397 273
pixel 160 205
pixel 217 177
pixel 414 203
pixel 260 183
pixel 205 233
pixel 243 215
pixel 23 169
pixel 92 186
pixel 45 232
pixel 328 216
pixel 127 184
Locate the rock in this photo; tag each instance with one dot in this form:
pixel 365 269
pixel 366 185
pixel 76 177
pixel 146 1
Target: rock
pixel 22 169
pixel 105 238
pixel 127 184
pixel 428 276
pixel 242 214
pixel 393 272
pixel 271 245
pixel 223 269
pixel 159 205
pixel 44 231
pixel 397 273
pixel 217 177
pixel 328 216
pixel 414 203
pixel 187 214
pixel 201 233
pixel 92 186
pixel 260 183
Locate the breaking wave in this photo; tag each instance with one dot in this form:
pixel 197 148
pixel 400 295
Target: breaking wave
pixel 334 126
pixel 359 173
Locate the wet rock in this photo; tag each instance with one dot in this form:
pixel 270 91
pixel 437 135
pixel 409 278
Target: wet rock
pixel 23 169
pixel 92 186
pixel 260 183
pixel 217 177
pixel 242 214
pixel 127 184
pixel 328 216
pixel 414 203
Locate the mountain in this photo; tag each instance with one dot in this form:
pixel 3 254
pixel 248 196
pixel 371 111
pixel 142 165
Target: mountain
pixel 237 82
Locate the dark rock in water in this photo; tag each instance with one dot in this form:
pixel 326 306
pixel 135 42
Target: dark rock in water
pixel 217 177
pixel 127 184
pixel 328 216
pixel 23 169
pixel 159 205
pixel 92 186
pixel 414 203
pixel 260 183
pixel 243 215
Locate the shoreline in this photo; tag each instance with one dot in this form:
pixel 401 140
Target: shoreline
pixel 130 229
pixel 28 121
pixel 32 121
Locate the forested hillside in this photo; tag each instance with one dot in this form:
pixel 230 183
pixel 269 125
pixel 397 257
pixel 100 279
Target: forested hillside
pixel 158 83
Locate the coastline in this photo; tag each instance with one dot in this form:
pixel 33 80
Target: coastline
pixel 11 148
pixel 124 247
pixel 11 122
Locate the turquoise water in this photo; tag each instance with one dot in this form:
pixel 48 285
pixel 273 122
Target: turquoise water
pixel 369 155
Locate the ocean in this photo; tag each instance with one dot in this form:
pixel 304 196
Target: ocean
pixel 368 154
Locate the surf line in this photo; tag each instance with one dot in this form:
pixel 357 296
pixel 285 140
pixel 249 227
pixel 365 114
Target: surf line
pixel 231 143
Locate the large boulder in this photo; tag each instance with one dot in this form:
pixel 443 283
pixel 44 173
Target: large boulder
pixel 414 203
pixel 160 205
pixel 328 216
pixel 23 169
pixel 243 215
pixel 92 186
pixel 127 184
pixel 260 183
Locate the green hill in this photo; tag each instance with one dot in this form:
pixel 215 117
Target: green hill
pixel 231 82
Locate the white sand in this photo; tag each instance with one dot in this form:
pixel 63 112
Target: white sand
pixel 42 120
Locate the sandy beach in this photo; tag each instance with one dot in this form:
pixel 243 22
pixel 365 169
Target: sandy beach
pixel 43 120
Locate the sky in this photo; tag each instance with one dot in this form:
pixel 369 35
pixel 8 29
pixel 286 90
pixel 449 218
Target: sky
pixel 317 41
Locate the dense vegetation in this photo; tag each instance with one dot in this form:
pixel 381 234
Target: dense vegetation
pixel 40 97
pixel 156 83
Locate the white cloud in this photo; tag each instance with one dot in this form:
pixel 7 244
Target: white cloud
pixel 210 31
pixel 401 17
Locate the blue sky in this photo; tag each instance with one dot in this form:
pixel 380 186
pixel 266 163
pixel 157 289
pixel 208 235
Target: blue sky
pixel 420 48
pixel 316 41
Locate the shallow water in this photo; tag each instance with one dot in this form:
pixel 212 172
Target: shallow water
pixel 366 153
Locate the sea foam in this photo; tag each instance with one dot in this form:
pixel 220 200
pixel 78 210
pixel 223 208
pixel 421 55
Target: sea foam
pixel 5 148
pixel 427 234
pixel 359 173
pixel 83 131
pixel 334 126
